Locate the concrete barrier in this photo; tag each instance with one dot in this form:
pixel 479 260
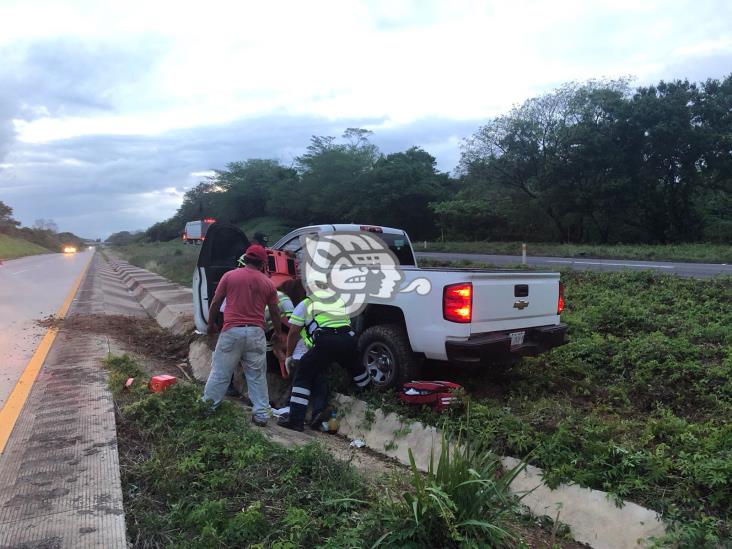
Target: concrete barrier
pixel 169 304
pixel 592 515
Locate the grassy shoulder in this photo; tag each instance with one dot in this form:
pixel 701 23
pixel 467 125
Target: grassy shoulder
pixel 696 253
pixel 174 260
pixel 638 403
pixel 196 479
pixel 11 247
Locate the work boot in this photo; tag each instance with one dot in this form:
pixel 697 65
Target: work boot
pixel 290 423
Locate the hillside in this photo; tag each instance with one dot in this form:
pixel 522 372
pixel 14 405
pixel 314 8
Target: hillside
pixel 11 247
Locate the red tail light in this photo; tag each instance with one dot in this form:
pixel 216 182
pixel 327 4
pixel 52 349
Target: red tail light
pixel 457 302
pixel 560 301
pixel 371 229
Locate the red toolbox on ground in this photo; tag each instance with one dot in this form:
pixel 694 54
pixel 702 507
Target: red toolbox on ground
pixel 438 394
pixel 162 382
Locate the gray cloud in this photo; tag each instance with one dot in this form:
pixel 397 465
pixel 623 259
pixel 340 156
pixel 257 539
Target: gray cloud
pixel 699 68
pixel 8 108
pixel 100 184
pixel 65 76
pixel 72 76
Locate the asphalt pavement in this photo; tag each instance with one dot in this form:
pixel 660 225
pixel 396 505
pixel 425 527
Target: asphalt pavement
pixel 59 472
pixel 691 270
pixel 31 288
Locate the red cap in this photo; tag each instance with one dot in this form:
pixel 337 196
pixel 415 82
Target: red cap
pixel 256 252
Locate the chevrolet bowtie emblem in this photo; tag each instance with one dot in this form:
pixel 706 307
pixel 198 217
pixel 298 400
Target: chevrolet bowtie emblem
pixel 520 304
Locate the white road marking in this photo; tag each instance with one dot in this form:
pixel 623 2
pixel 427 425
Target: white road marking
pixel 611 264
pixel 18 272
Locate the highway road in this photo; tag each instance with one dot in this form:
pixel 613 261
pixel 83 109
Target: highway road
pixel 692 270
pixel 31 288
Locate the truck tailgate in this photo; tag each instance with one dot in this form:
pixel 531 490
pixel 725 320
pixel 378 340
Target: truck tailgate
pixel 507 301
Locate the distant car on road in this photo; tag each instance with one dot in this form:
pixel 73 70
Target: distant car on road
pixel 195 231
pixel 70 249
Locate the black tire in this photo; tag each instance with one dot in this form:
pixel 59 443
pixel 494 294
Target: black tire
pixel 385 352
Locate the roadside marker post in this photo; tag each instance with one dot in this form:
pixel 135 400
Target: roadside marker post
pixel 523 253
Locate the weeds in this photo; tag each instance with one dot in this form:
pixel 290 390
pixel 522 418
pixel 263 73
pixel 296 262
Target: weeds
pixel 696 252
pixel 173 260
pixel 11 247
pixel 196 479
pixel 206 479
pixel 638 404
pixel 464 500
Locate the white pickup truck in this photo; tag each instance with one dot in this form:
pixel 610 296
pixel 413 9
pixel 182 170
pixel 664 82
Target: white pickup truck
pixel 468 316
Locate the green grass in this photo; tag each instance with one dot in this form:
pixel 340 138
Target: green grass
pixel 638 404
pixel 176 261
pixel 193 478
pixel 173 260
pixel 15 247
pixel 274 227
pixel 699 253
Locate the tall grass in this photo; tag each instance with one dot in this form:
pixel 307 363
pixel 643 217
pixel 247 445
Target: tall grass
pixel 698 252
pixel 198 479
pixel 11 247
pixel 638 403
pixel 174 260
pixel 463 500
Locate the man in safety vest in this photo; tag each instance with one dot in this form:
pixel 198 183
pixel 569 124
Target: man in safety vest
pixel 326 330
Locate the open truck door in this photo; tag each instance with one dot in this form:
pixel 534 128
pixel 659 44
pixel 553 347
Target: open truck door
pixel 224 244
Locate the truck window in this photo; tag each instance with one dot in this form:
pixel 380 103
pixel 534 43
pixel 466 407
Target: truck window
pixel 400 247
pixel 293 245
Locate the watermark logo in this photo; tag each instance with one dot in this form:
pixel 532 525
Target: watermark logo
pixel 358 268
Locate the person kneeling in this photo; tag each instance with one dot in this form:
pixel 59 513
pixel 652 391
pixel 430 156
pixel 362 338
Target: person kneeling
pixel 329 337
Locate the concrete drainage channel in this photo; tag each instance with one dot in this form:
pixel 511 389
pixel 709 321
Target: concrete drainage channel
pixel 592 515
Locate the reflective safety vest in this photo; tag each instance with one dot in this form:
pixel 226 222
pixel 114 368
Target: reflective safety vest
pixel 321 314
pixel 285 305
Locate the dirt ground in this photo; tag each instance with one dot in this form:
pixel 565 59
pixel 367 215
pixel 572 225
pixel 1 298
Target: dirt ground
pixel 160 352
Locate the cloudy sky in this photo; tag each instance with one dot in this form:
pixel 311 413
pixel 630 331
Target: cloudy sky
pixel 110 111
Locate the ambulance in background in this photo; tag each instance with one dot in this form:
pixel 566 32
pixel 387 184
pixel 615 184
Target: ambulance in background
pixel 195 231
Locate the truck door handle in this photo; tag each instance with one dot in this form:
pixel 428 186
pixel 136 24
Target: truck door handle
pixel 521 290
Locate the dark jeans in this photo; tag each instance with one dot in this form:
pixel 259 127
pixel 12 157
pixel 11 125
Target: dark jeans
pixel 309 378
pixel 319 392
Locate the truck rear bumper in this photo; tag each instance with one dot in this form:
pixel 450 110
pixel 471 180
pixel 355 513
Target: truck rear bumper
pixel 492 346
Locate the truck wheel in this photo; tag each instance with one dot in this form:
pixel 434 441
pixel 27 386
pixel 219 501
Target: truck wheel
pixel 387 356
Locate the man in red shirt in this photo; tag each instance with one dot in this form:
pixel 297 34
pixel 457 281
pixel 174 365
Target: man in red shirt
pixel 247 292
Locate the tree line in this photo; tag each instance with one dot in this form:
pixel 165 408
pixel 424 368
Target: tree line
pixel 44 231
pixel 592 162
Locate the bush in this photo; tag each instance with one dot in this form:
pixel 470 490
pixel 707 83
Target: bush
pixel 463 501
